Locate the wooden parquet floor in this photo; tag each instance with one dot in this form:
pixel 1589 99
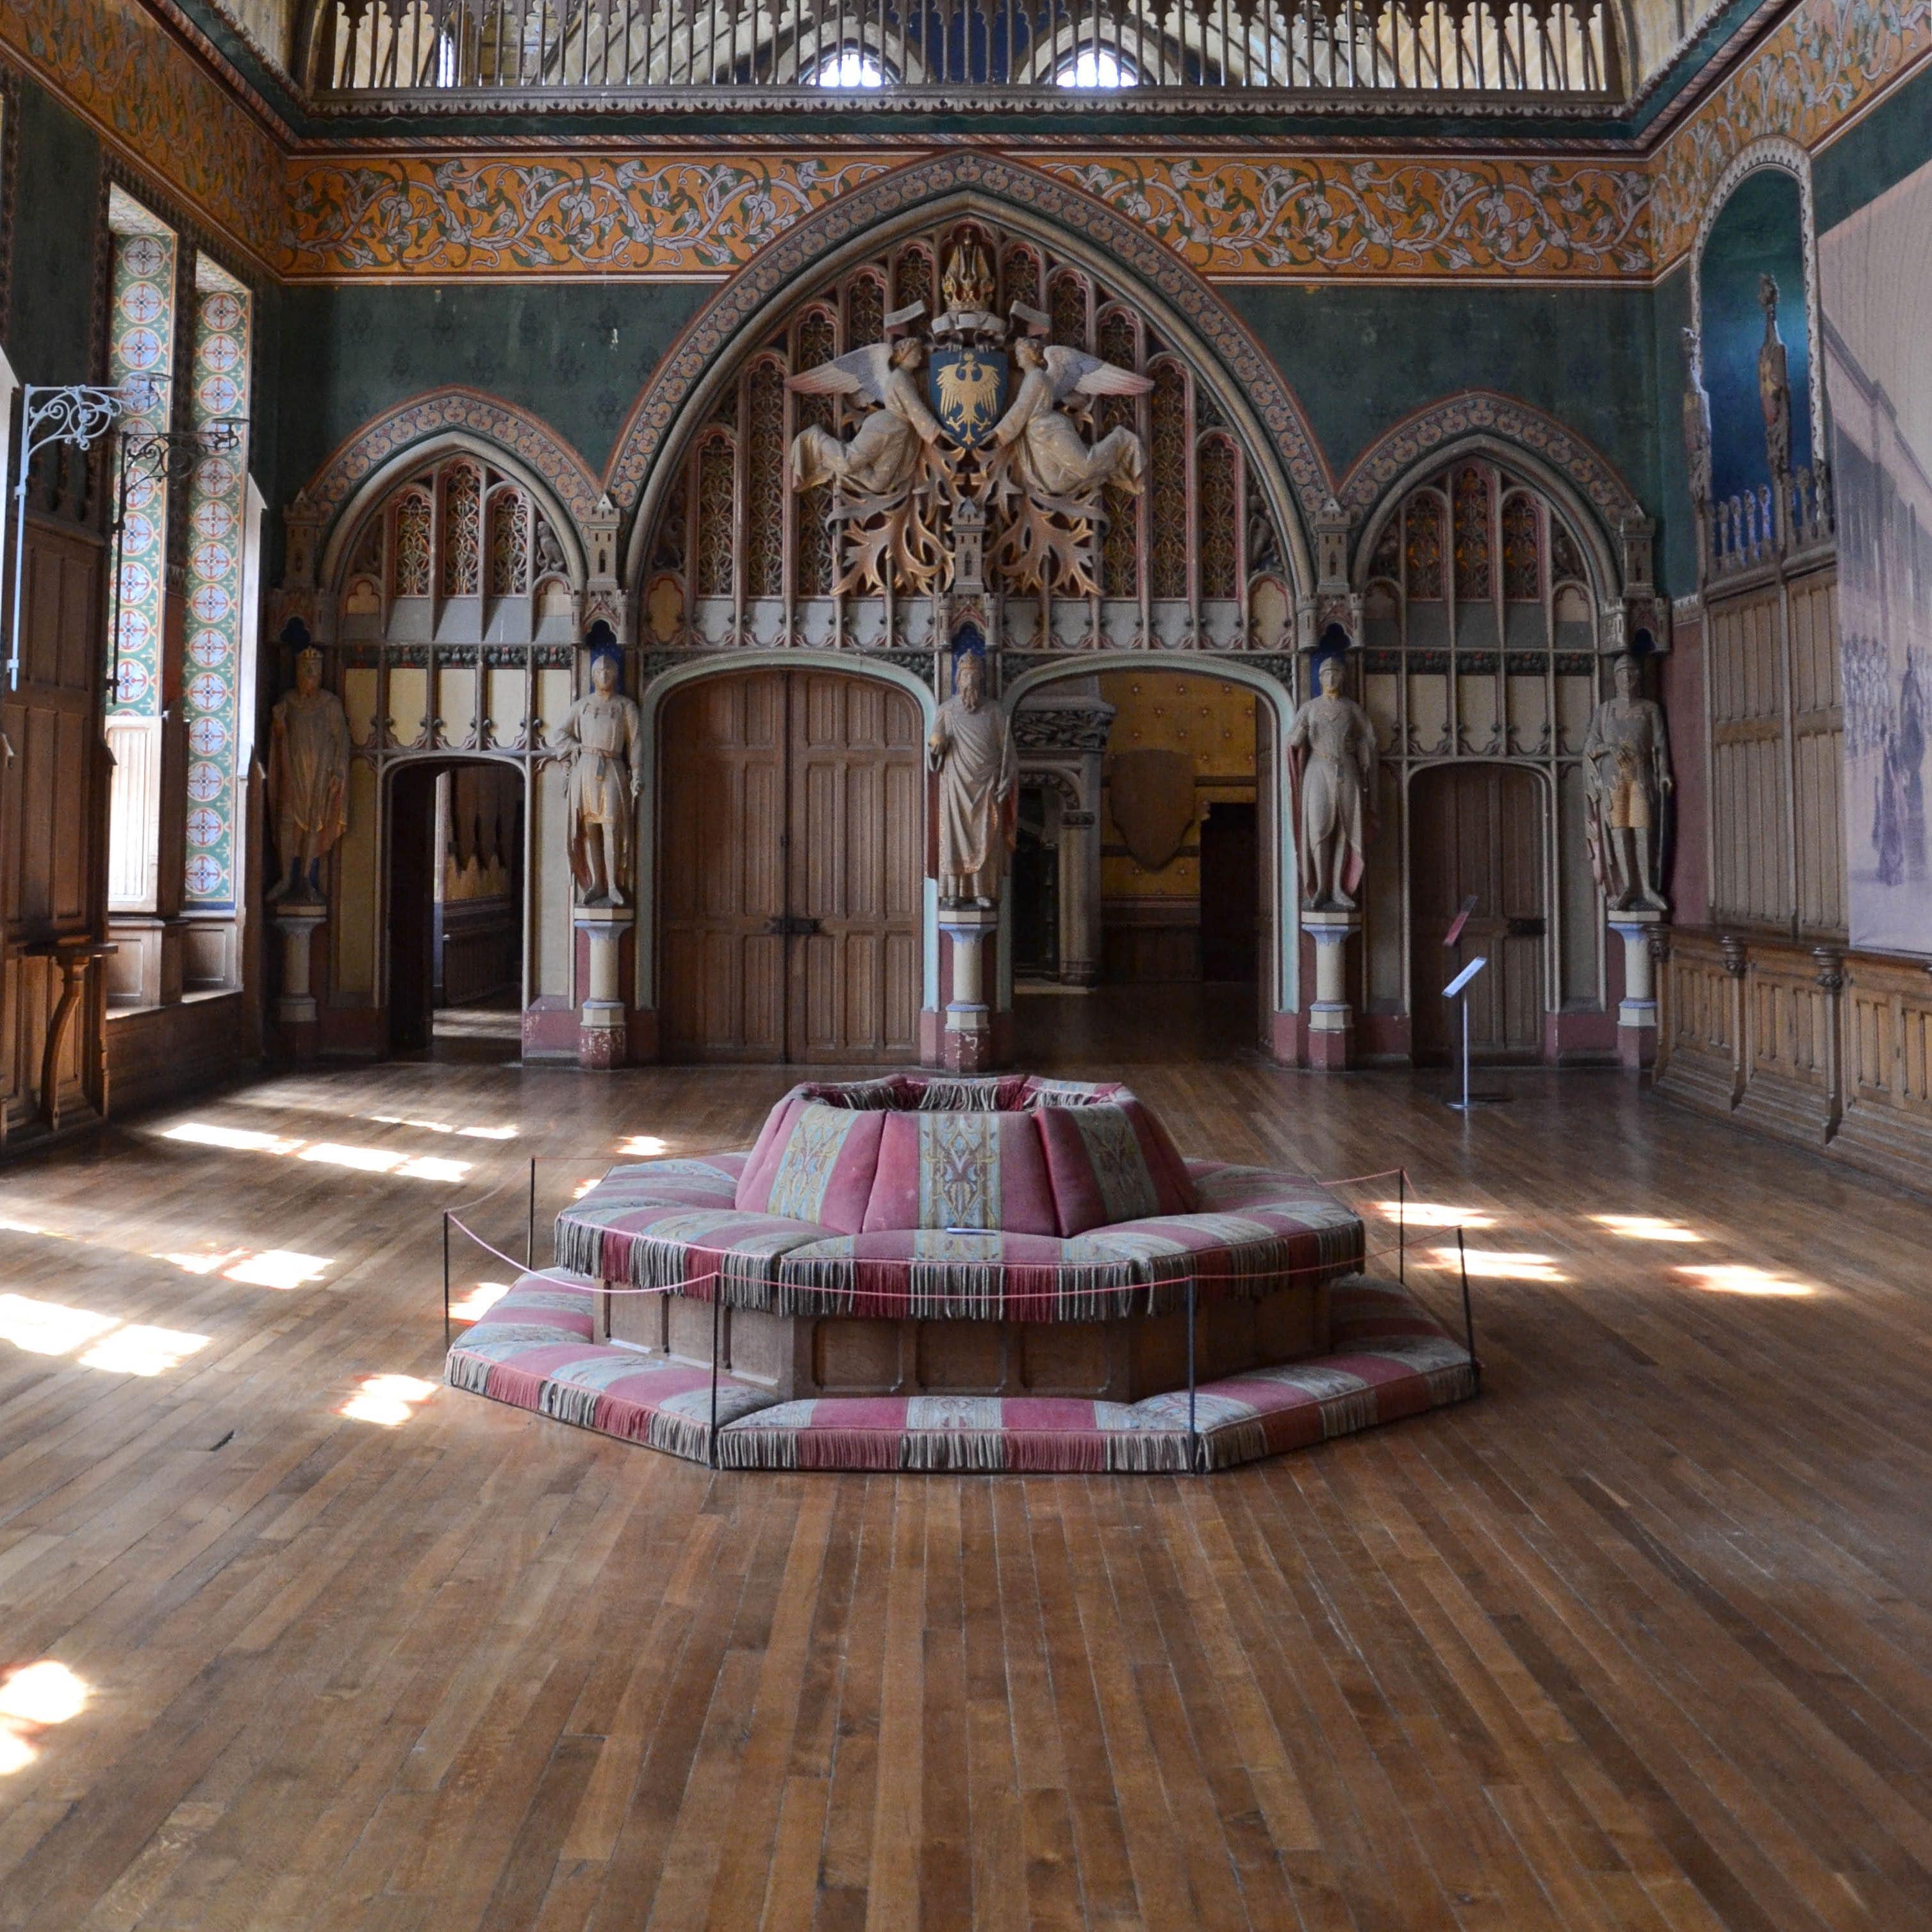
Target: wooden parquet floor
pixel 1642 1639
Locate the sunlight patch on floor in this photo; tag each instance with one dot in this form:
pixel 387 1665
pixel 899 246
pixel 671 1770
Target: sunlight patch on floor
pixel 38 1327
pixel 395 1161
pixel 1501 1264
pixel 34 1697
pixel 387 1400
pixel 1646 1228
pixel 277 1267
pixel 1434 1214
pixel 646 1147
pixel 478 1302
pixel 1741 1278
pixel 444 1127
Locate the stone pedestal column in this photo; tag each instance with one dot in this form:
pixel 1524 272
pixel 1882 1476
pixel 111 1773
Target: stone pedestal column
pixel 967 1046
pixel 1331 1020
pixel 603 1022
pixel 296 1010
pixel 1080 899
pixel 1637 1017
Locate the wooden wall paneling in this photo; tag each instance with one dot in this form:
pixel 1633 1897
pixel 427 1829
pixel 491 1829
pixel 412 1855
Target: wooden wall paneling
pixel 1818 752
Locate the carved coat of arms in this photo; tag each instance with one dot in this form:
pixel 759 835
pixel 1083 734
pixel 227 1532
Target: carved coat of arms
pixel 987 440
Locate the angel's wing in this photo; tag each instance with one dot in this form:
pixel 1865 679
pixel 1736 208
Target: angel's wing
pixel 1071 369
pixel 858 372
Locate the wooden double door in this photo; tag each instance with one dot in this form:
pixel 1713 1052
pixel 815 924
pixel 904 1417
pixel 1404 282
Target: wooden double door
pixel 1476 831
pixel 791 868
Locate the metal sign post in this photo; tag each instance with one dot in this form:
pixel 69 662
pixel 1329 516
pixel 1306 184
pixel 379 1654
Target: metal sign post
pixel 1457 989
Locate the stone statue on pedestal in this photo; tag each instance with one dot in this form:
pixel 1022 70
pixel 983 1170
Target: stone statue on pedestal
pixel 1627 778
pixel 971 748
pixel 1331 749
pixel 308 781
pixel 602 735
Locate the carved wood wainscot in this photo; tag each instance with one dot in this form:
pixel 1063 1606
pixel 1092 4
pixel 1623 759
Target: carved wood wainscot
pixel 1816 1044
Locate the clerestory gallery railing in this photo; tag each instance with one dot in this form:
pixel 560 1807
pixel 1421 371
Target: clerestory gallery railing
pixel 1788 519
pixel 956 52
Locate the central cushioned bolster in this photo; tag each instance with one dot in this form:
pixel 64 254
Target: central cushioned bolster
pixel 817 1164
pixel 1112 1162
pixel 939 1170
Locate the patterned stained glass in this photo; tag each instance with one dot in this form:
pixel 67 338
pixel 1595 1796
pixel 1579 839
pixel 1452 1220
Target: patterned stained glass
pixel 1387 561
pixel 817 343
pixel 509 545
pixel 1522 574
pixel 1067 305
pixel 1423 522
pixel 1565 559
pixel 217 506
pixel 410 575
pixel 715 518
pixel 1019 277
pixel 462 533
pixel 1121 547
pixel 864 312
pixel 765 481
pixel 1219 483
pixel 1167 464
pixel 141 346
pixel 1474 579
pixel 912 281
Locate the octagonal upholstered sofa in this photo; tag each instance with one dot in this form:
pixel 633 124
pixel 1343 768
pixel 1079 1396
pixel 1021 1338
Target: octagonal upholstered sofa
pixel 917 1272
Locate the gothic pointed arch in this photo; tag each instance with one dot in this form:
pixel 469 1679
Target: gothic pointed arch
pixel 454 411
pixel 1247 392
pixel 1571 470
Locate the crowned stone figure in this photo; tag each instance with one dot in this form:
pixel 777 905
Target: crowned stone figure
pixel 971 748
pixel 308 780
pixel 1696 423
pixel 603 737
pixel 1626 779
pixel 1331 748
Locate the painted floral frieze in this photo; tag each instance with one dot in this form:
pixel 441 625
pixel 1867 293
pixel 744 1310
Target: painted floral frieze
pixel 649 216
pixel 1302 215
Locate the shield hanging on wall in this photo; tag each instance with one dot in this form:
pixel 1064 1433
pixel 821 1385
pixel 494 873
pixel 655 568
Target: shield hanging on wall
pixel 967 389
pixel 1150 794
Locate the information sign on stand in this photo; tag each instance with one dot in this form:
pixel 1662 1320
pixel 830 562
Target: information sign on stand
pixel 1458 988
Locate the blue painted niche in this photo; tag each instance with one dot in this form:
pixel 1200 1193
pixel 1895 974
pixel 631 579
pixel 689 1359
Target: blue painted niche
pixel 1759 232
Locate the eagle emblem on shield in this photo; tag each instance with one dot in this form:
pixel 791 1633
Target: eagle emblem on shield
pixel 967 388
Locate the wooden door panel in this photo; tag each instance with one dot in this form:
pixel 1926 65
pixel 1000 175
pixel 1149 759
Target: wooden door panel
pixel 1477 829
pixel 791 794
pixel 721 864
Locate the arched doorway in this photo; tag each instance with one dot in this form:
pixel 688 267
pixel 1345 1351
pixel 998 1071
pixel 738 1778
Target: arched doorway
pixel 1477 836
pixel 791 866
pixel 455 906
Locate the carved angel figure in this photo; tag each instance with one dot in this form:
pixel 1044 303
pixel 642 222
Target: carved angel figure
pixel 882 458
pixel 1049 457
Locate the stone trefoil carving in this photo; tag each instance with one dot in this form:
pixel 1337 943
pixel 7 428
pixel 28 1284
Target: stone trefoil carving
pixel 308 781
pixel 986 449
pixel 1627 778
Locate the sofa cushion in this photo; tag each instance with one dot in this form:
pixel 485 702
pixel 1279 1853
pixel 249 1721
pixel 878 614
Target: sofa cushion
pixel 977 1171
pixel 1111 1161
pixel 815 1163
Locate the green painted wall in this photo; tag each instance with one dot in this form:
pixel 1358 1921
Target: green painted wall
pixel 1360 359
pixel 1880 151
pixel 53 247
pixel 348 354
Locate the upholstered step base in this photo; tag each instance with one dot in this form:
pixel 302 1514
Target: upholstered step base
pixel 536 1350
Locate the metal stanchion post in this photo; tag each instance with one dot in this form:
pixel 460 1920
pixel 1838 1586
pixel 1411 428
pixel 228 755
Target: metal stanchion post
pixel 1401 1225
pixel 1193 1432
pixel 530 1227
pixel 717 1344
pixel 446 1280
pixel 1468 1318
